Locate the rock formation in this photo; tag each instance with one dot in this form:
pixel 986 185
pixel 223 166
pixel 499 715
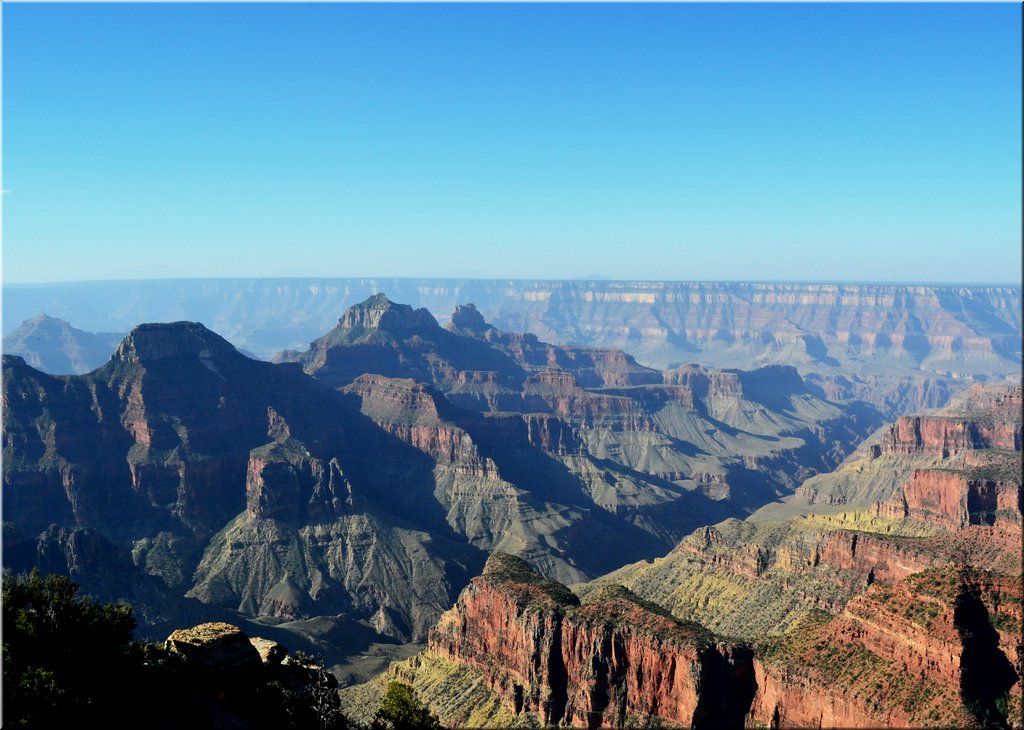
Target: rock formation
pixel 939 648
pixel 907 614
pixel 615 660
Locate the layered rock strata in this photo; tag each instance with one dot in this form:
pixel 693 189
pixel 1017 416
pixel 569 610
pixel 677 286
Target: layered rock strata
pixel 613 661
pixel 940 648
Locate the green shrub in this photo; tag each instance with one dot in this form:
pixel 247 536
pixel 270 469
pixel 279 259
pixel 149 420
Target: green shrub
pixel 400 710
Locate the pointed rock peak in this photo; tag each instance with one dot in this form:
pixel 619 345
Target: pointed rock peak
pixel 379 312
pixel 43 317
pixel 159 341
pixel 277 428
pixel 466 317
pixel 43 322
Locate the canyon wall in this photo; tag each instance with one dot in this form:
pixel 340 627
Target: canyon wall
pixel 613 661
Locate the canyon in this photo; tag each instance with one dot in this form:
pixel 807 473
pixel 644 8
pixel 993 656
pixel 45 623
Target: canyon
pixel 895 602
pixel 564 534
pixel 187 478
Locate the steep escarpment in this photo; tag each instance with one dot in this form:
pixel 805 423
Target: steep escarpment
pixel 939 648
pixel 905 612
pixel 945 436
pixel 545 658
pixel 524 449
pixel 956 498
pixel 983 418
pixel 755 579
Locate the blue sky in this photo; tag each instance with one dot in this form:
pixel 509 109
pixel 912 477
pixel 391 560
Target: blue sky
pixel 653 141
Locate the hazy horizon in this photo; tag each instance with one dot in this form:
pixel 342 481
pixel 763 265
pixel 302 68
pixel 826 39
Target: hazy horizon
pixel 681 142
pixel 595 279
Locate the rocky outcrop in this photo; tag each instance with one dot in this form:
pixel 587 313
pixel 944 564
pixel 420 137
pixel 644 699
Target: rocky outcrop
pixel 271 652
pixel 381 337
pixel 615 660
pixel 587 366
pixel 214 675
pixel 215 647
pixel 995 402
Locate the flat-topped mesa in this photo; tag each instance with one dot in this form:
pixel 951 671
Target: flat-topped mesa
pixel 379 312
pixel 779 379
pixel 149 343
pixel 614 660
pixel 703 382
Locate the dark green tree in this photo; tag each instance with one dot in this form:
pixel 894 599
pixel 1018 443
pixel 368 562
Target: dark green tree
pixel 63 655
pixel 400 710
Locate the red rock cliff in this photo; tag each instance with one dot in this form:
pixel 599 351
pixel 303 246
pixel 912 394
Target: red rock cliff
pixel 939 648
pixel 945 435
pixel 613 661
pixel 954 500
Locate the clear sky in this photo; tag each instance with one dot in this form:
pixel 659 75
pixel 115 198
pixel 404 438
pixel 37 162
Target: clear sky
pixel 652 141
